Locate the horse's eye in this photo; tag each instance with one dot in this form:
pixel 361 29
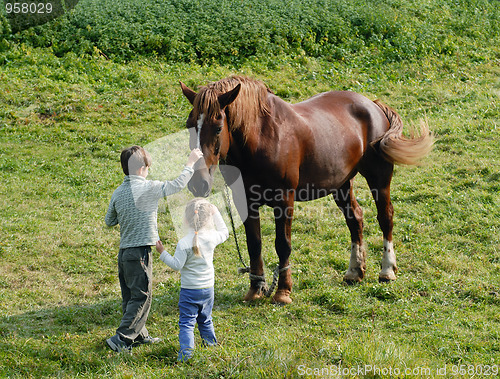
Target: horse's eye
pixel 218 130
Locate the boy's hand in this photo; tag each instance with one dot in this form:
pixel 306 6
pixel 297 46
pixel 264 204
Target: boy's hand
pixel 194 157
pixel 159 247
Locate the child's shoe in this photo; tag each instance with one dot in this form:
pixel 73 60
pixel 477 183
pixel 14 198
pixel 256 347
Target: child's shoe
pixel 115 343
pixel 146 341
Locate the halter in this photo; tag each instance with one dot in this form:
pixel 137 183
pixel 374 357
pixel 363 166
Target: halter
pixel 199 124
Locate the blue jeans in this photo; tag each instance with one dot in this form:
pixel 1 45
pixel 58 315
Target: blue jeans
pixel 195 306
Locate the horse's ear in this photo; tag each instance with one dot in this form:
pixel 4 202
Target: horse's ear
pixel 189 93
pixel 227 98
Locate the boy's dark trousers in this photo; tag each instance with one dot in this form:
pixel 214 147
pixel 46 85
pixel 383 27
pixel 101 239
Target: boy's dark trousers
pixel 135 269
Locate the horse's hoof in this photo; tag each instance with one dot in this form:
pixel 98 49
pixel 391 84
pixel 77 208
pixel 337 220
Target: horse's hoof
pixel 354 276
pixel 253 294
pixel 385 278
pixel 388 274
pixel 282 297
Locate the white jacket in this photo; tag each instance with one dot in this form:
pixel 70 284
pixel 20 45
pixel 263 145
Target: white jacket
pixel 197 272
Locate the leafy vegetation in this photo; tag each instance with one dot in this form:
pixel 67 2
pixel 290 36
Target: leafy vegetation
pixel 232 31
pixel 65 115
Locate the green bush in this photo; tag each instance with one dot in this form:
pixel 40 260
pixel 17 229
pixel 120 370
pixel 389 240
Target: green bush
pixel 231 31
pixel 4 24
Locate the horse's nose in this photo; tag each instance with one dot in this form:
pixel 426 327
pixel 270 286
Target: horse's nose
pixel 201 189
pixel 191 187
pixel 205 188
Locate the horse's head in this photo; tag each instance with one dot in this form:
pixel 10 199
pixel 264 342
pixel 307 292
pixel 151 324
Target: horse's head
pixel 209 131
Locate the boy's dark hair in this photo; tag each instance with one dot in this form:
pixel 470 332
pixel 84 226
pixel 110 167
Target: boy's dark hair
pixel 133 158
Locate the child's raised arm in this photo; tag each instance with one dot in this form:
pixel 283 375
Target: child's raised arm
pixel 194 157
pixel 221 229
pixel 176 185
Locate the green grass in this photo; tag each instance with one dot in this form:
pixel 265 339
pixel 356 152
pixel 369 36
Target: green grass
pixel 63 122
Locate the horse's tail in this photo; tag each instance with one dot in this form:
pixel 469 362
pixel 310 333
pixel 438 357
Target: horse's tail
pixel 397 148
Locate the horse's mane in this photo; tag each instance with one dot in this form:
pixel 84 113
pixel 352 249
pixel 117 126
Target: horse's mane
pixel 244 112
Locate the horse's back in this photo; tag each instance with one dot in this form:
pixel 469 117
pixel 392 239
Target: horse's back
pixel 345 110
pixel 340 126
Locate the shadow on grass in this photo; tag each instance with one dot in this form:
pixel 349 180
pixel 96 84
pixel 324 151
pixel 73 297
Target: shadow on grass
pixel 50 341
pixel 61 320
pixel 70 340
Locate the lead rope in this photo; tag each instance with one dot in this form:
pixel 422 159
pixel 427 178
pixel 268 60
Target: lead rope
pixel 245 267
pixel 277 270
pixel 276 274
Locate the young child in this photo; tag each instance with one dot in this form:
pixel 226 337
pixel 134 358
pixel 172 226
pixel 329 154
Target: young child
pixel 193 257
pixel 134 205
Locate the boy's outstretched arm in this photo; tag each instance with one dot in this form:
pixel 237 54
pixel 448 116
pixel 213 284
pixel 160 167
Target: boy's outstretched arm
pixel 195 156
pixel 176 185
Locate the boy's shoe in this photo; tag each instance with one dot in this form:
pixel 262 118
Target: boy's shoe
pixel 146 341
pixel 115 343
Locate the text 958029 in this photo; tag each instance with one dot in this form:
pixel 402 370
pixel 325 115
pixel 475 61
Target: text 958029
pixel 28 8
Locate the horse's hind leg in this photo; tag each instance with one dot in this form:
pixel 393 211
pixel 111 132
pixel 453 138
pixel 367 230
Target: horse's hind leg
pixel 379 180
pixel 354 217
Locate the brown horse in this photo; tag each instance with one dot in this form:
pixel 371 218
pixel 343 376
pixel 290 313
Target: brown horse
pixel 302 151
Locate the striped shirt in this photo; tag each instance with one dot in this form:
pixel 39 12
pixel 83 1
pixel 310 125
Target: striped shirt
pixel 134 206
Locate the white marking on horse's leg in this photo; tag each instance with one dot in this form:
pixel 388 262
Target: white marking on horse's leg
pixel 357 264
pixel 388 265
pixel 199 125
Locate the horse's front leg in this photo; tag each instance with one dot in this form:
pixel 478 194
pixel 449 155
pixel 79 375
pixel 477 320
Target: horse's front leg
pixel 283 216
pixel 254 244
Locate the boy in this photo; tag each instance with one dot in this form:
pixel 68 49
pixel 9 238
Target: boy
pixel 134 205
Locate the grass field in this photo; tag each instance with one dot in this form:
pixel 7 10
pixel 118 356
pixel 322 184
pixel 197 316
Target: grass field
pixel 63 123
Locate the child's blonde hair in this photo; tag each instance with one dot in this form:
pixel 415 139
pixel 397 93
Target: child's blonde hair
pixel 198 214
